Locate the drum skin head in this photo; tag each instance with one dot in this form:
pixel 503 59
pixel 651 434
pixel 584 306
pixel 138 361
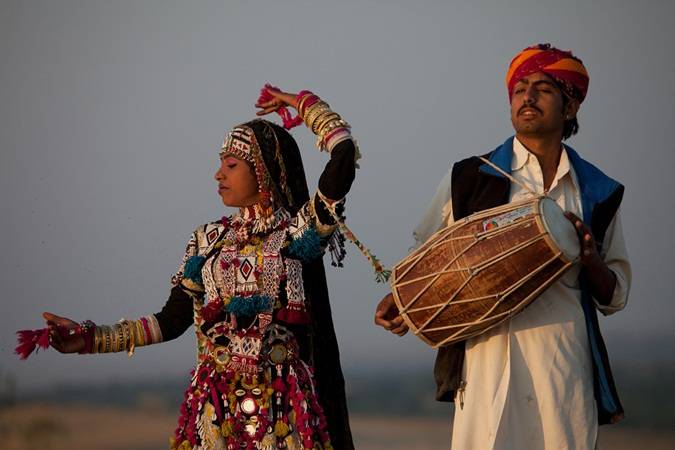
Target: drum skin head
pixel 560 229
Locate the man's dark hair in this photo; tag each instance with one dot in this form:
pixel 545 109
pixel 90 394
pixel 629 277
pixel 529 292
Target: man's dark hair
pixel 570 126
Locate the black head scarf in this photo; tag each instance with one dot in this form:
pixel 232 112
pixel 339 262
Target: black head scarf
pixel 283 163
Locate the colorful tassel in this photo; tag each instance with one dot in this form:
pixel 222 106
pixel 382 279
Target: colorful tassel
pixel 288 120
pixel 249 306
pixel 193 268
pixel 31 340
pixel 293 314
pixel 307 247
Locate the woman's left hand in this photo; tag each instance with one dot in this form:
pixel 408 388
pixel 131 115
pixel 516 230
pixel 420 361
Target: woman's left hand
pixel 280 99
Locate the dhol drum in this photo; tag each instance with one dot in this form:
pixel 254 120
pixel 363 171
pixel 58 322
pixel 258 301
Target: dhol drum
pixel 483 269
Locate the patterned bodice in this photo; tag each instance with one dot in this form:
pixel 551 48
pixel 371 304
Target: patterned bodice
pixel 248 280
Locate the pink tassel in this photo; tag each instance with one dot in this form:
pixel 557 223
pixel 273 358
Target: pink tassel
pixel 288 120
pixel 29 340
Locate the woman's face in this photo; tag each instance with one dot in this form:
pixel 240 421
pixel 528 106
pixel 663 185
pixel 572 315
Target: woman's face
pixel 237 185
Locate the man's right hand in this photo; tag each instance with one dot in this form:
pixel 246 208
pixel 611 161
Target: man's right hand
pixel 387 316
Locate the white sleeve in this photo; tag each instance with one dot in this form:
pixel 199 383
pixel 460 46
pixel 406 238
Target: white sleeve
pixel 438 212
pixel 616 257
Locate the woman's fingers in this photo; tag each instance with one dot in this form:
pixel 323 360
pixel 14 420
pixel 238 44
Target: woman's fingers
pixel 49 317
pixel 284 97
pixel 274 103
pixel 267 111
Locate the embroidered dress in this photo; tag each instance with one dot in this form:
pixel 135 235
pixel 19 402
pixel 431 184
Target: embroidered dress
pixel 250 387
pixel 253 287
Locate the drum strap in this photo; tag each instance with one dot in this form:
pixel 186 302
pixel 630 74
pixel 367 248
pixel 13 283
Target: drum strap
pixel 509 176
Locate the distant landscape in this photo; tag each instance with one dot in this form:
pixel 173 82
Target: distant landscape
pixel 389 411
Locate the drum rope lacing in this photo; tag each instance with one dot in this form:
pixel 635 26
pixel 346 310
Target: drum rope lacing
pixel 473 271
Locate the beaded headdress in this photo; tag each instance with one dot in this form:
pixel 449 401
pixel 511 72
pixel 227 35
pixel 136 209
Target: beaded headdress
pixel 243 143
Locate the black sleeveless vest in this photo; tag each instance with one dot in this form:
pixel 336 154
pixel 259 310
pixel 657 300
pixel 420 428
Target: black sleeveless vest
pixel 474 190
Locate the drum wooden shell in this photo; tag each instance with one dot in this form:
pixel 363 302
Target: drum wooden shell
pixel 483 269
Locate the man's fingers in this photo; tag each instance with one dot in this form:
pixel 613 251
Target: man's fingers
pixel 397 321
pixel 379 320
pixel 395 325
pixel 401 329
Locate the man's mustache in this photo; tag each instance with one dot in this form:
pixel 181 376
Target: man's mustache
pixel 529 107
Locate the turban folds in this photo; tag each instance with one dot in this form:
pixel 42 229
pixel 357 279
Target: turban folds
pixel 567 70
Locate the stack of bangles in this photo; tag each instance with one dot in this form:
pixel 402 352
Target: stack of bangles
pixel 125 335
pixel 326 124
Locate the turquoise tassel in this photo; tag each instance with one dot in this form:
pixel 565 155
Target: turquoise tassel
pixel 249 306
pixel 307 247
pixel 193 269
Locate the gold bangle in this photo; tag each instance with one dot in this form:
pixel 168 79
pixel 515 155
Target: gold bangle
pixel 322 119
pixel 109 341
pixel 123 336
pixel 311 122
pixel 101 339
pixel 140 337
pixel 119 338
pixel 108 338
pixel 113 339
pixel 95 343
pixel 132 336
pixel 129 337
pixel 130 341
pixel 325 121
pixel 314 111
pixel 334 126
pixel 101 345
pixel 308 109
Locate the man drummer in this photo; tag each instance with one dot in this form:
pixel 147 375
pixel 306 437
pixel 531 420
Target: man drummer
pixel 542 378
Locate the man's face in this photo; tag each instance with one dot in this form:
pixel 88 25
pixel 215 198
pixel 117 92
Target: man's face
pixel 537 106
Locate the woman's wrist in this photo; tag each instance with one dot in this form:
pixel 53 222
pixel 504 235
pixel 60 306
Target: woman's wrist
pixel 321 120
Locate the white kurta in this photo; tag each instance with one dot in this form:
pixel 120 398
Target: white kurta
pixel 529 381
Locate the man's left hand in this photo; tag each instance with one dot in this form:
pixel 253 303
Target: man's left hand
pixel 588 255
pixel 602 279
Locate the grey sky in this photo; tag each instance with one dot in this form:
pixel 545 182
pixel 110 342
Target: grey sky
pixel 111 116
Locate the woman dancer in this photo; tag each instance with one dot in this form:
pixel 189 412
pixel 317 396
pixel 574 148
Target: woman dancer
pixel 253 285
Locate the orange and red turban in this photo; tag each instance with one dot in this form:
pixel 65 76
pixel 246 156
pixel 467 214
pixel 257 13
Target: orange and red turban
pixel 567 70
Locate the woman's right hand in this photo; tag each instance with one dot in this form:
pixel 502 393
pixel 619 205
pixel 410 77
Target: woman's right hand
pixel 280 99
pixel 64 334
